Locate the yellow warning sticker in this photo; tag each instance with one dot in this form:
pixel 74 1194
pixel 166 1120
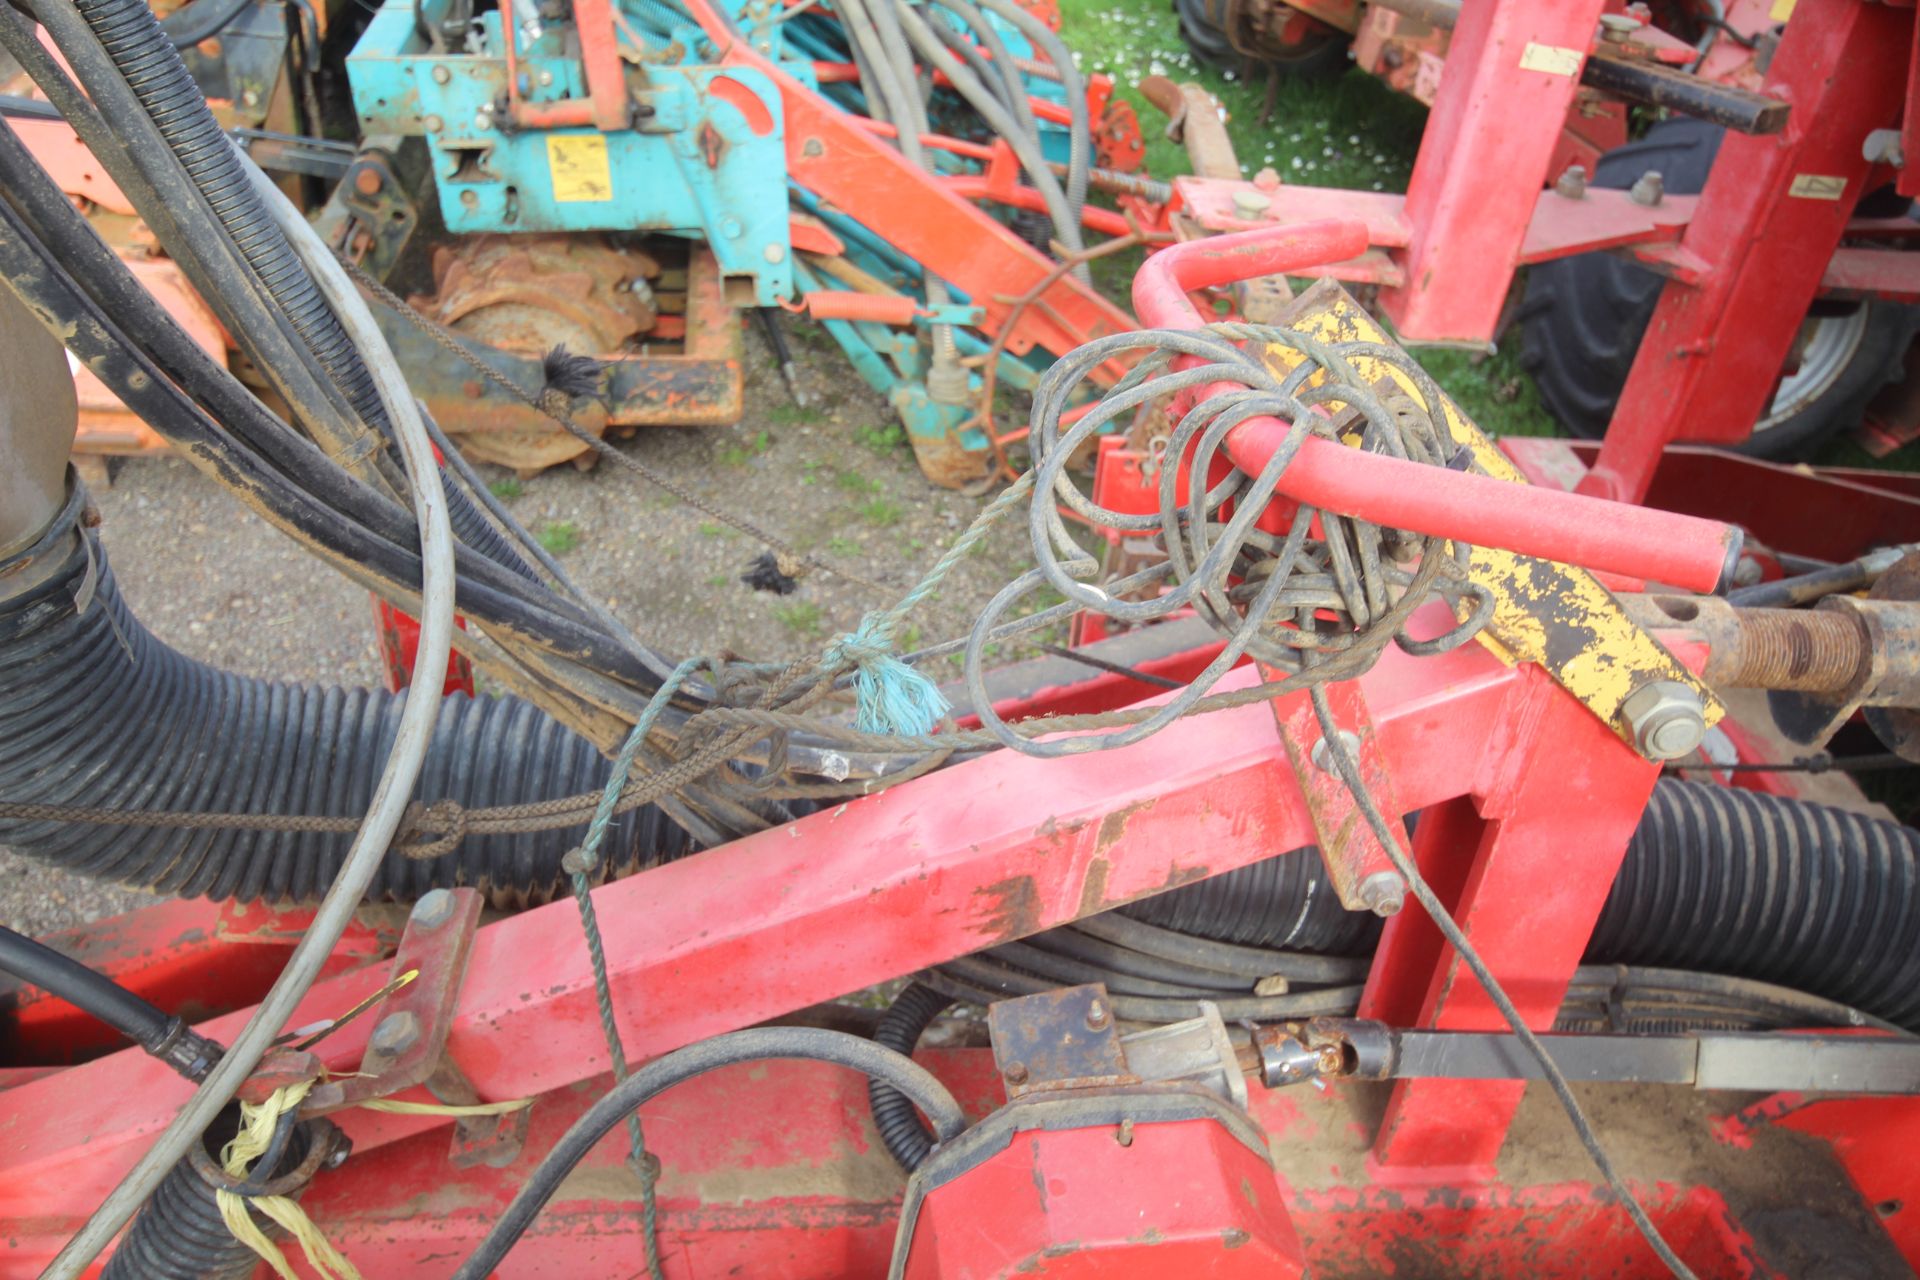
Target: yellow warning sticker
pixel 1781 11
pixel 1555 60
pixel 1817 186
pixel 578 165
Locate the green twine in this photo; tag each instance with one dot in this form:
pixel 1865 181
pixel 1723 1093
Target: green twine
pixel 580 864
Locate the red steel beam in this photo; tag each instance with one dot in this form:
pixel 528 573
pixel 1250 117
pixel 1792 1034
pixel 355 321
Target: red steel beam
pixel 1766 226
pixel 985 852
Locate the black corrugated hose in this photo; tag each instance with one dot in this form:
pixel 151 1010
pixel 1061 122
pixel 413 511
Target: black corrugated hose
pixel 906 1136
pixel 94 711
pixel 1717 879
pixel 180 1234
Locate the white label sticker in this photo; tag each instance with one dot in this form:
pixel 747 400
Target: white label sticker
pixel 1817 186
pixel 1553 59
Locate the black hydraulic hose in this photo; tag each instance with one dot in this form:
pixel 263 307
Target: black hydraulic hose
pixel 96 339
pixel 762 1043
pixel 35 963
pixel 95 711
pixel 906 1136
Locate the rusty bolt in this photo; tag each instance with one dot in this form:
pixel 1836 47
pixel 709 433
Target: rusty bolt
pixel 1648 189
pixel 434 909
pixel 441 74
pixel 545 79
pixel 435 124
pixel 366 180
pixel 1124 1134
pixel 397 1033
pixel 1098 1017
pixel 1573 183
pixel 1249 204
pixel 250 98
pixel 1323 761
pixel 470 199
pixel 1016 1072
pixel 1666 719
pixel 1384 893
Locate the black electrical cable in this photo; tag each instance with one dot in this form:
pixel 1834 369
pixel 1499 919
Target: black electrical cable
pixel 123 366
pixel 762 1043
pixel 33 962
pixel 146 1024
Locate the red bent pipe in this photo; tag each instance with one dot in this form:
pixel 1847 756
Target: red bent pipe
pixel 1553 524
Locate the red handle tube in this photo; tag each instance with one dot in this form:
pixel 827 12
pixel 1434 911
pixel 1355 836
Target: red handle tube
pixel 1613 537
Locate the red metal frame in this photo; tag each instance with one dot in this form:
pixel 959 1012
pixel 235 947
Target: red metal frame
pixel 1745 258
pixel 987 851
pixel 1765 229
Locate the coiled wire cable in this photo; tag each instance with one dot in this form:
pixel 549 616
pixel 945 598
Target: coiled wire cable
pixel 1320 606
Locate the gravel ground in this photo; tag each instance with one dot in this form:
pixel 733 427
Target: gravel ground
pixel 212 579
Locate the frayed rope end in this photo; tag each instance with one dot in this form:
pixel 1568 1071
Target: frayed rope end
pixel 891 697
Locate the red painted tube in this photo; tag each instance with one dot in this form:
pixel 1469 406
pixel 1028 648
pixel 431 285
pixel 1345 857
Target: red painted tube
pixel 1612 537
pixel 872 308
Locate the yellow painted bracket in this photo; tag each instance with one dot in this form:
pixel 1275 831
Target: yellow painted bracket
pixel 1553 614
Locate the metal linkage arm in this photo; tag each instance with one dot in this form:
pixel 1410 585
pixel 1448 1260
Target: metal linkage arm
pixel 1763 1062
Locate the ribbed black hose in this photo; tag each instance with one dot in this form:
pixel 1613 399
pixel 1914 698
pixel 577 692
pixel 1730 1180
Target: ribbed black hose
pixel 1719 879
pixel 906 1136
pixel 95 711
pixel 1285 903
pixel 134 40
pixel 1733 881
pixel 180 1234
pixel 140 48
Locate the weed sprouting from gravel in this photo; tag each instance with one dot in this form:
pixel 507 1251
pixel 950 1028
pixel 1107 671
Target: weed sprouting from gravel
pixel 802 617
pixel 558 536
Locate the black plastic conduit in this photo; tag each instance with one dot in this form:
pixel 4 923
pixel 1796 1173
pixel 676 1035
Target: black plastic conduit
pixel 1717 879
pixel 95 711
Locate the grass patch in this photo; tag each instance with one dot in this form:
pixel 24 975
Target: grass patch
pixel 794 415
pixel 738 455
pixel 1348 131
pixel 854 482
pixel 558 536
pixel 843 546
pixel 881 513
pixel 507 488
pixel 710 529
pixel 802 617
pixel 886 439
